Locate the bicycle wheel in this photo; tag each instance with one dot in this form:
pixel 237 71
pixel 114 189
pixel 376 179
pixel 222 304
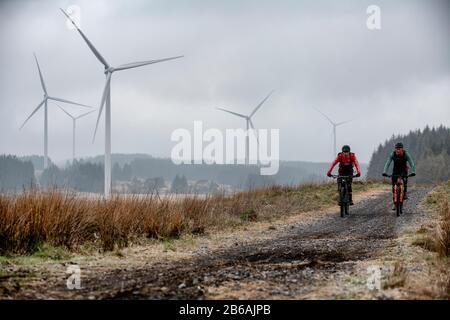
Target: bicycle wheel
pixel 402 198
pixel 346 200
pixel 398 204
pixel 342 200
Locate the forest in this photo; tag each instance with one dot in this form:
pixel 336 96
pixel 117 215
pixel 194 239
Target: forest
pixel 16 174
pixel 429 148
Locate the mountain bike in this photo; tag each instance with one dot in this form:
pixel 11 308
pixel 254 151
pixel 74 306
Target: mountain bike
pixel 344 200
pixel 398 192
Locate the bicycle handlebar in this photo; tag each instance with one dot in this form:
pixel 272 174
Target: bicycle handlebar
pixel 400 175
pixel 343 176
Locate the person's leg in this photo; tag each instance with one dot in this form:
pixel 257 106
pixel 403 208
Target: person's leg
pixel 339 190
pixel 350 191
pixel 393 185
pixel 405 188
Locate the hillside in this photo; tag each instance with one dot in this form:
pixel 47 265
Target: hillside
pixel 145 167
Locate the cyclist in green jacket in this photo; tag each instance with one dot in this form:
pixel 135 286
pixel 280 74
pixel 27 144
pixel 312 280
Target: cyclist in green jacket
pixel 401 159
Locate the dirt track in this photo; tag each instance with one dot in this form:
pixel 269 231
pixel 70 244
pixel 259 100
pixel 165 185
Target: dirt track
pixel 295 262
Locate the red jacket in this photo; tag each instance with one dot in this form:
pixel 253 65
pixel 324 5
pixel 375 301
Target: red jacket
pixel 345 164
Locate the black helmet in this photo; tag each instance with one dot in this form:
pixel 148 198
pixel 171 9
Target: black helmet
pixel 398 145
pixel 346 148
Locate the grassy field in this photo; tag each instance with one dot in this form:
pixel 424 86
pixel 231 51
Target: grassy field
pixel 439 239
pixel 436 238
pixel 34 220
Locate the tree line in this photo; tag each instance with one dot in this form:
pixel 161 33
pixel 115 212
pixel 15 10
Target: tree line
pixel 429 148
pixel 15 174
pixel 239 176
pixel 79 176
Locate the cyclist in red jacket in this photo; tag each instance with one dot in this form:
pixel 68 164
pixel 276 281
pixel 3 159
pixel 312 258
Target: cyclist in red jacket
pixel 346 160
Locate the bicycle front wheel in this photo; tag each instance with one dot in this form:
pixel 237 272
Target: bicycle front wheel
pixel 342 200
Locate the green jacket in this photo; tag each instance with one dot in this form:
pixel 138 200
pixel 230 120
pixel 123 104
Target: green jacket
pixel 409 160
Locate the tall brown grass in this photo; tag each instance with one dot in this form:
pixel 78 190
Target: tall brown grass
pixel 62 219
pixel 438 201
pixel 441 244
pixel 438 238
pixel 443 231
pixel 68 220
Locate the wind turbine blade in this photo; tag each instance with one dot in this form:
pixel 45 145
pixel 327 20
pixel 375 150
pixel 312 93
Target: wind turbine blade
pixel 102 102
pixel 343 122
pixel 65 111
pixel 325 116
pixel 143 63
pixel 34 111
pixel 90 45
pixel 40 74
pixel 235 113
pixel 71 102
pixel 85 114
pixel 260 104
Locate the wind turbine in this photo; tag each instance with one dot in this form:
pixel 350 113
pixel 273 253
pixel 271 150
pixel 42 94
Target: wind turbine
pixel 106 99
pixel 249 123
pixel 74 124
pixel 335 125
pixel 45 102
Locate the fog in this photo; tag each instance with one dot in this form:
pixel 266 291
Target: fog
pixel 313 54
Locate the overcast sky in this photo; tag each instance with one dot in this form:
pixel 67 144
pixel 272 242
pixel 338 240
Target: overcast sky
pixel 312 53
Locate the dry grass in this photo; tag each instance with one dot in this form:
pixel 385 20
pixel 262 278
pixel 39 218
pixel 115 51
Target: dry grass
pixel 397 278
pixel 438 239
pixel 62 219
pixel 443 231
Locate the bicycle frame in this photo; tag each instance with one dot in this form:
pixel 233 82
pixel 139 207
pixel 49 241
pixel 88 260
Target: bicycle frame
pixel 398 192
pixel 343 192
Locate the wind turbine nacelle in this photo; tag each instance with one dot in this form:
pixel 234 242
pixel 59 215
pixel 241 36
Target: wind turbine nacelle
pixel 109 70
